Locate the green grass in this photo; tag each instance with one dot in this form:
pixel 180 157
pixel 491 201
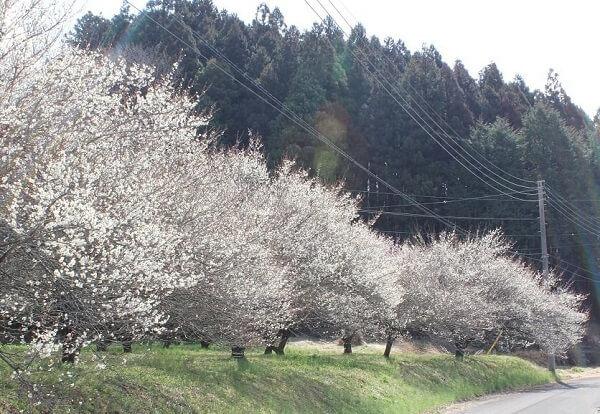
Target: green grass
pixel 188 379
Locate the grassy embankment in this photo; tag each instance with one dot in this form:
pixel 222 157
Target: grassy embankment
pixel 189 379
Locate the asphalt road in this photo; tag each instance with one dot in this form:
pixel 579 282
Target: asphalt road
pixel 573 397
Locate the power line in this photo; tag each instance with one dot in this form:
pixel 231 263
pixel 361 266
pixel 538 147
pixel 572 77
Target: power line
pixel 523 253
pixel 443 202
pixel 418 233
pixel 572 208
pixel 291 115
pixel 444 196
pixel 586 200
pixel 530 256
pixel 433 109
pixel 576 267
pixel 537 235
pixel 561 246
pixel 422 123
pixel 565 206
pixel 573 219
pixel 564 269
pixel 421 119
pixel 575 216
pixel 397 213
pixel 446 200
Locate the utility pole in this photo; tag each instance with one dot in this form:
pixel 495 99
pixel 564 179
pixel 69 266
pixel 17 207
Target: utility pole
pixel 544 246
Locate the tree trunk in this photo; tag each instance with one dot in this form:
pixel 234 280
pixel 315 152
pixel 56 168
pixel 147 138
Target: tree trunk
pixel 70 349
pixel 269 350
pixel 166 344
pixel 388 346
pixel 70 355
pixel 204 344
pixel 101 346
pixel 552 363
pixel 459 354
pixel 347 344
pixel 237 352
pixel 127 346
pixel 285 335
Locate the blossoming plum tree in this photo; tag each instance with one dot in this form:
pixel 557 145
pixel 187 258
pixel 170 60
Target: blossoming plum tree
pixel 467 290
pixel 95 154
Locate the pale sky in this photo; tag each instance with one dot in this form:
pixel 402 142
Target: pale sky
pixel 526 37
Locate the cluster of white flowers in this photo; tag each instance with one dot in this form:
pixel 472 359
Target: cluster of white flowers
pixel 469 290
pixel 119 221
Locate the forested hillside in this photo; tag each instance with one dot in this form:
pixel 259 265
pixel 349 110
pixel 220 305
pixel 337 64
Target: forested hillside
pixel 469 147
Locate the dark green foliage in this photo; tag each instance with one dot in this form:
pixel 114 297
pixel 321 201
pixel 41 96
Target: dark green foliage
pixel 89 32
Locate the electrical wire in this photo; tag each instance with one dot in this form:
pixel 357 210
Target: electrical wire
pixel 530 193
pixel 564 269
pixel 389 61
pixel 397 213
pixel 575 266
pixel 565 204
pixel 423 124
pixel 444 202
pixel 418 233
pixel 395 89
pixel 573 219
pixel 292 116
pixel 572 208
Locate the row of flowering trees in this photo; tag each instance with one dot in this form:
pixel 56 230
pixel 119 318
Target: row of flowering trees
pixel 120 221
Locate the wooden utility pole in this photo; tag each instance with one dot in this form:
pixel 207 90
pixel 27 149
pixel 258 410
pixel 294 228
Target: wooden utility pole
pixel 544 246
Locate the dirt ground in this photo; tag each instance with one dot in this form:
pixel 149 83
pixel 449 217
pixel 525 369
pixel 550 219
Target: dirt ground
pixel 578 373
pixel 399 347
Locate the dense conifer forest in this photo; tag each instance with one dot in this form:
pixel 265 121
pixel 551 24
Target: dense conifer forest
pixel 470 147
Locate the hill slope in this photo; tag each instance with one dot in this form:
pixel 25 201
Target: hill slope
pixel 188 379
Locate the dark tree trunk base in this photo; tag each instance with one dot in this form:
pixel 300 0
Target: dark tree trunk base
pixel 101 346
pixel 285 335
pixel 166 344
pixel 348 345
pixel 71 355
pixel 459 354
pixel 237 352
pixel 204 344
pixel 127 347
pixel 388 347
pixel 68 357
pixel 269 350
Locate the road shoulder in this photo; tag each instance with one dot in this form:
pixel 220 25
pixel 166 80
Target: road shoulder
pixel 567 377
